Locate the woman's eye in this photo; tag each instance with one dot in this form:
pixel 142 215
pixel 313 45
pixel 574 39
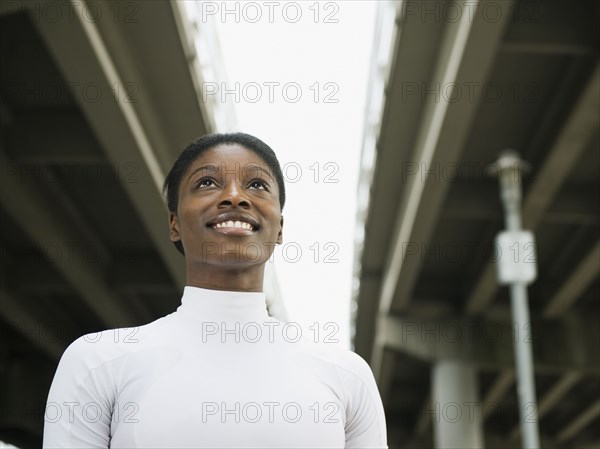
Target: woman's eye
pixel 204 182
pixel 257 184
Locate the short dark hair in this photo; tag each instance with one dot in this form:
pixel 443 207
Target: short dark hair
pixel 199 146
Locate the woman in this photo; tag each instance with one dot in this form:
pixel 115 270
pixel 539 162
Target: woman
pixel 219 371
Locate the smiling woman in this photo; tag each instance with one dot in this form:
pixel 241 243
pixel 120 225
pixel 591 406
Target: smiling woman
pixel 225 196
pixel 218 371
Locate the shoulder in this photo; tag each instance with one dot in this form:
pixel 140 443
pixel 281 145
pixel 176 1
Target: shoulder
pixel 96 349
pixel 344 368
pixel 365 419
pixel 341 359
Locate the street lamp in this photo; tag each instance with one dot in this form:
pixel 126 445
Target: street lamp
pixel 517 269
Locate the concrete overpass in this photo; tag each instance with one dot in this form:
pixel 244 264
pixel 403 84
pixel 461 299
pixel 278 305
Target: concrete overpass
pixel 465 81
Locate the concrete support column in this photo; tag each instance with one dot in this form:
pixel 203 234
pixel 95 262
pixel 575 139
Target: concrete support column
pixel 457 417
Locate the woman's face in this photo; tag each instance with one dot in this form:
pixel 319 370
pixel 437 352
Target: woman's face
pixel 228 211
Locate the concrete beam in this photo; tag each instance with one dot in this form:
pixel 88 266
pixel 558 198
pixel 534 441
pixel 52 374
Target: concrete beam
pixel 557 392
pixel 578 281
pixel 579 422
pixel 494 441
pixel 27 325
pixel 424 417
pixel 551 398
pixel 572 141
pixel 548 48
pixel 45 225
pixel 73 214
pixel 394 145
pixel 489 344
pixel 386 376
pixel 166 98
pixel 135 272
pixel 24 384
pixel 57 138
pixel 570 206
pixel 504 381
pixel 502 384
pixel 80 52
pixel 467 54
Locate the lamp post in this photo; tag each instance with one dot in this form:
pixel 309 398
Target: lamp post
pixel 517 269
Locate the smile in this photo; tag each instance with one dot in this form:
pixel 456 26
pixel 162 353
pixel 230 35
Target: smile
pixel 233 225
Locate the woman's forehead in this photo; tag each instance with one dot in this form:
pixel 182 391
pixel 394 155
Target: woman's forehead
pixel 230 158
pixel 230 153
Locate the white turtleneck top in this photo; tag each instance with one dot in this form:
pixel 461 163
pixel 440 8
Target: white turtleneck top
pixel 217 372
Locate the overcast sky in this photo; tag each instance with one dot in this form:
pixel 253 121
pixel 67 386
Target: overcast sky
pixel 300 72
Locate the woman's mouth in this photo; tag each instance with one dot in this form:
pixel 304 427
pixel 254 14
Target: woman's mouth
pixel 231 227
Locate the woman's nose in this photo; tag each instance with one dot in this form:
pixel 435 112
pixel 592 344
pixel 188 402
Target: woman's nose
pixel 234 195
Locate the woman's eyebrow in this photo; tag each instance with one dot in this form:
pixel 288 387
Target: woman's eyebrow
pixel 259 168
pixel 212 168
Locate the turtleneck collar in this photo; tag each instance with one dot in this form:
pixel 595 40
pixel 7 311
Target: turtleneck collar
pixel 220 305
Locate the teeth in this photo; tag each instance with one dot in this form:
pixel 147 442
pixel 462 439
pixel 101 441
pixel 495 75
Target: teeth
pixel 234 224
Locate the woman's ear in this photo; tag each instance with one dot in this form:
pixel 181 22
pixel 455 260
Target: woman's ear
pixel 280 233
pixel 174 227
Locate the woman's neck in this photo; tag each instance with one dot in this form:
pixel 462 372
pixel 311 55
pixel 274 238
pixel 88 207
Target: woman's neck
pixel 241 279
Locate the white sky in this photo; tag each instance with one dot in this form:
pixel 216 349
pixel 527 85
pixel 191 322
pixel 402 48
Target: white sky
pixel 294 51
